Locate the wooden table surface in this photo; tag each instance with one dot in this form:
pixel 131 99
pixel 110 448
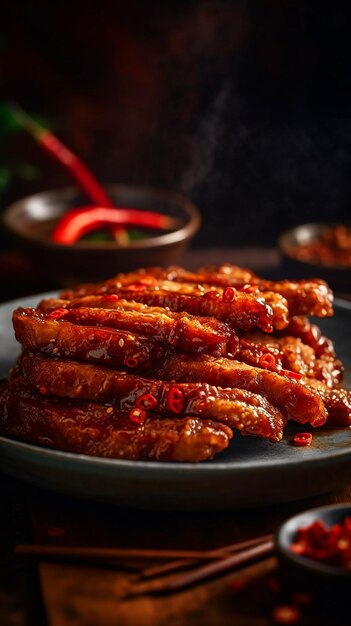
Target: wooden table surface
pixel 37 593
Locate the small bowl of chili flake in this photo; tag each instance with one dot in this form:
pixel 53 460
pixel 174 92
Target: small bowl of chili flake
pixel 319 249
pixel 314 547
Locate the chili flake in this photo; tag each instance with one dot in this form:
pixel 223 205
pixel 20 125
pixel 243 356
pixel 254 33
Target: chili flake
pixel 175 400
pixel 60 312
pixel 138 416
pixel 135 359
pixel 295 375
pixel 328 545
pixel 146 401
pixel 131 362
pixel 229 294
pixel 302 439
pixel 267 361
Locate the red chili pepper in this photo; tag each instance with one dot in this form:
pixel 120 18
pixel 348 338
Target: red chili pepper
pixel 138 416
pixel 146 401
pixel 302 439
pixel 294 375
pixel 71 162
pixel 60 312
pixel 229 294
pixel 78 170
pixel 78 222
pixel 175 400
pixel 133 361
pixel 267 361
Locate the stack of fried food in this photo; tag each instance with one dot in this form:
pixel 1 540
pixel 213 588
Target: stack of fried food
pixel 164 364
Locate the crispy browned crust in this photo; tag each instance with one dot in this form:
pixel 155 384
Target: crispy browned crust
pixel 64 339
pixel 337 402
pixel 245 311
pixel 311 335
pixel 307 353
pixel 36 331
pixel 97 430
pixel 290 353
pixel 179 330
pixel 293 399
pixel 240 409
pixel 304 297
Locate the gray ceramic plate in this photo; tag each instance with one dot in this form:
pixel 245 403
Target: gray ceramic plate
pixel 251 472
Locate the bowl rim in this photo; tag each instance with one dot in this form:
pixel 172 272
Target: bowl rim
pixel 284 246
pixel 186 231
pixel 288 529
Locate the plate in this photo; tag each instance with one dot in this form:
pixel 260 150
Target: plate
pixel 251 472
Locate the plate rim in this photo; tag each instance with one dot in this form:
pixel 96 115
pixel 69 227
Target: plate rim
pixel 223 467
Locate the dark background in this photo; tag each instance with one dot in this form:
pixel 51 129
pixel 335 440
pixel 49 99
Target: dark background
pixel 243 106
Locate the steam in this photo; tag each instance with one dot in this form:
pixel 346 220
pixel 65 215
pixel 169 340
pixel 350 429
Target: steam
pixel 201 147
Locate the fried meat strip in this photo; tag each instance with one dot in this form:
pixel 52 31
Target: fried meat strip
pixel 245 311
pixel 64 339
pixel 36 331
pixel 238 408
pixel 180 330
pixel 93 429
pixel 300 326
pixel 337 402
pixel 290 353
pixel 191 334
pixel 275 301
pixel 305 297
pixel 293 399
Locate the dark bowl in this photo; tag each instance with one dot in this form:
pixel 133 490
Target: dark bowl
pixel 31 220
pixel 304 572
pixel 338 276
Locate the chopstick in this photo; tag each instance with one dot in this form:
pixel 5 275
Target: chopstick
pixel 226 558
pixel 204 572
pixel 89 552
pixel 173 566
